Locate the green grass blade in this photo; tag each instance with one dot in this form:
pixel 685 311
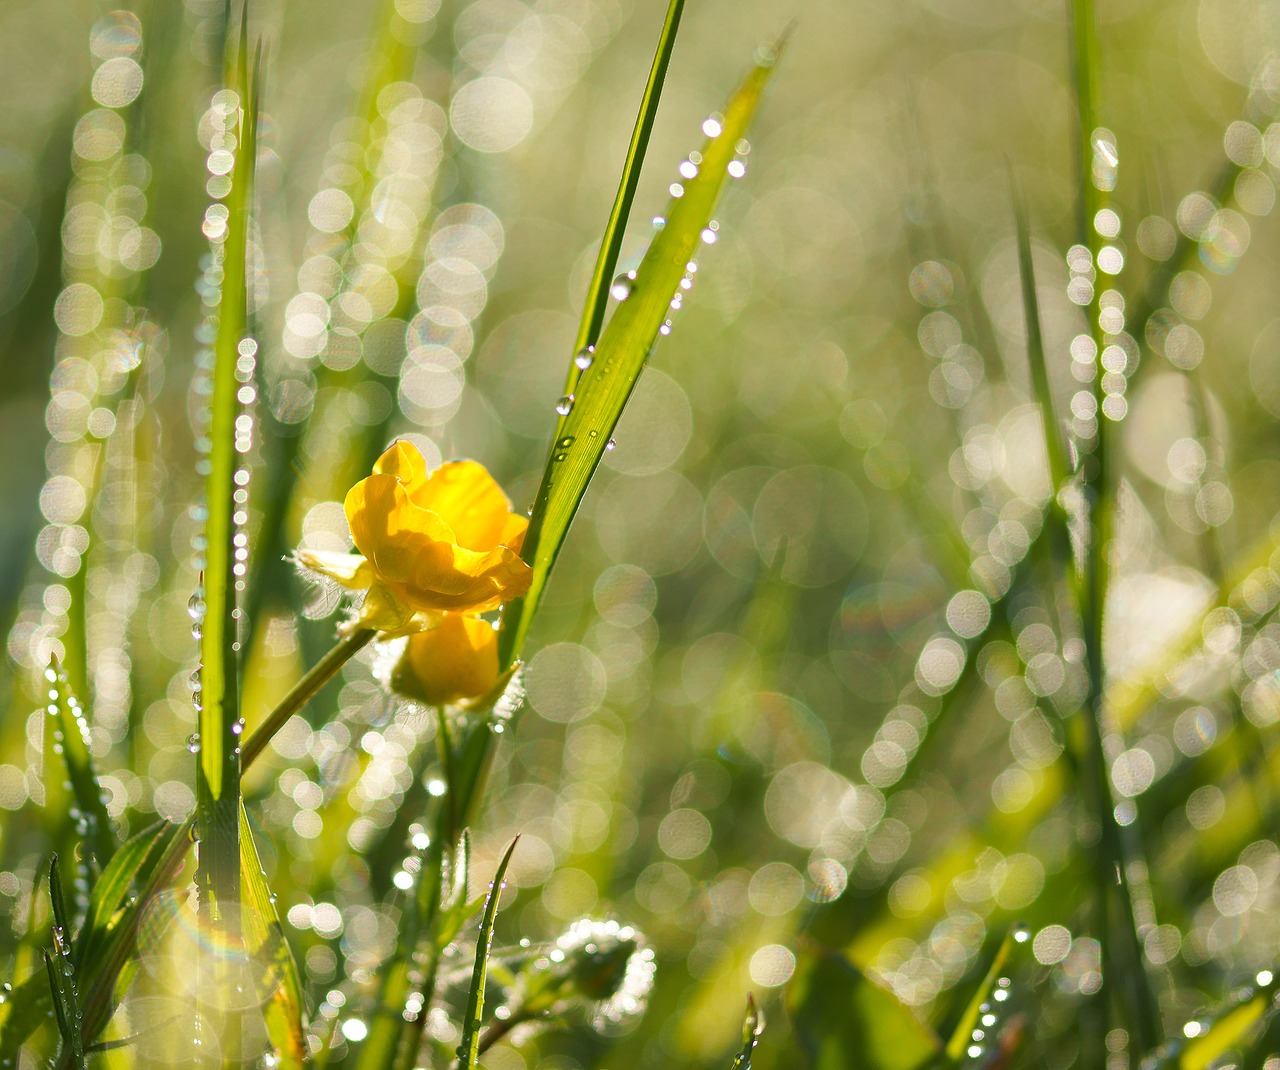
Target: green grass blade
pixel 622 352
pixel 60 967
pixel 469 1049
pixel 752 1030
pixel 1228 1030
pixel 112 889
pixel 71 732
pixel 1123 964
pixel 607 259
pixel 218 782
pixel 1058 468
pixel 279 984
pixel 962 1035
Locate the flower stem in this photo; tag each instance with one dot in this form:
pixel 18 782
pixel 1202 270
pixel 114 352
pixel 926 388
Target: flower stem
pixel 303 692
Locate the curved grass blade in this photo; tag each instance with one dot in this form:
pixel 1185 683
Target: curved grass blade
pixel 1232 1026
pixel 1058 468
pixel 71 732
pixel 962 1035
pixel 112 889
pixel 469 1049
pixel 610 244
pixel 752 1030
pixel 276 975
pixel 624 349
pixel 218 782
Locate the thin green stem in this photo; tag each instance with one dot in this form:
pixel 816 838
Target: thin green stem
pixel 303 692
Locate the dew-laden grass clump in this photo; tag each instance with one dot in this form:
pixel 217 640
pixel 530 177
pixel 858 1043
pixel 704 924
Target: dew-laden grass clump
pixel 822 618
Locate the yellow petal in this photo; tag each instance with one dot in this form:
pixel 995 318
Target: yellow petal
pixel 350 570
pixel 414 553
pixel 456 660
pixel 467 498
pixel 402 460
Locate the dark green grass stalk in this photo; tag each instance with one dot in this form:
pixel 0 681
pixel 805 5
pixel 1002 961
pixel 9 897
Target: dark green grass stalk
pixel 1125 981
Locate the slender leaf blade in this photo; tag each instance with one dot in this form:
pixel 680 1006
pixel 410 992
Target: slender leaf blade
pixel 623 351
pixel 73 736
pixel 219 765
pixel 112 888
pixel 611 243
pixel 469 1049
pixel 752 1030
pixel 279 984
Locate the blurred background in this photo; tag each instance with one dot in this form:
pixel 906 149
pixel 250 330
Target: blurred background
pixel 769 698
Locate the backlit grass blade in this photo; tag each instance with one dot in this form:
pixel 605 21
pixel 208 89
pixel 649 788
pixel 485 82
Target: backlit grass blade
pixel 111 890
pixel 1230 1027
pixel 71 733
pixel 60 967
pixel 624 348
pixel 1122 957
pixel 606 261
pixel 962 1035
pixel 218 782
pixel 469 1048
pixel 276 972
pixel 752 1029
pixel 1058 468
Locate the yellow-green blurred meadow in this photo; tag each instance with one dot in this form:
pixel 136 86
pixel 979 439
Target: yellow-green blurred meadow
pixel 914 677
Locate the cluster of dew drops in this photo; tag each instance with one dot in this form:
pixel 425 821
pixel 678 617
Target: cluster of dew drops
pixel 624 284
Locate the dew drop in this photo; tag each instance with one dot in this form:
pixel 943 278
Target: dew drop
pixel 611 444
pixel 195 605
pixel 659 222
pixel 565 405
pixel 193 743
pixel 622 286
pixel 585 357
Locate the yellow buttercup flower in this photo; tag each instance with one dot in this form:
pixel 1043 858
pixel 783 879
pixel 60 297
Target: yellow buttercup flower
pixel 429 543
pixel 456 660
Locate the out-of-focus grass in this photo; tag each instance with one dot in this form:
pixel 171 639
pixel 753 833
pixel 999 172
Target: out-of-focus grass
pixel 806 672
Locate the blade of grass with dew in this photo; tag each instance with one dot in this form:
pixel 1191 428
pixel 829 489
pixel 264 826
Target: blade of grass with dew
pixel 962 1035
pixel 597 300
pixel 444 908
pixel 163 847
pixel 1059 471
pixel 71 733
pixel 218 777
pixel 111 890
pixel 60 967
pixel 469 1048
pixel 1229 1027
pixel 276 973
pixel 752 1030
pixel 623 351
pixel 1121 948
